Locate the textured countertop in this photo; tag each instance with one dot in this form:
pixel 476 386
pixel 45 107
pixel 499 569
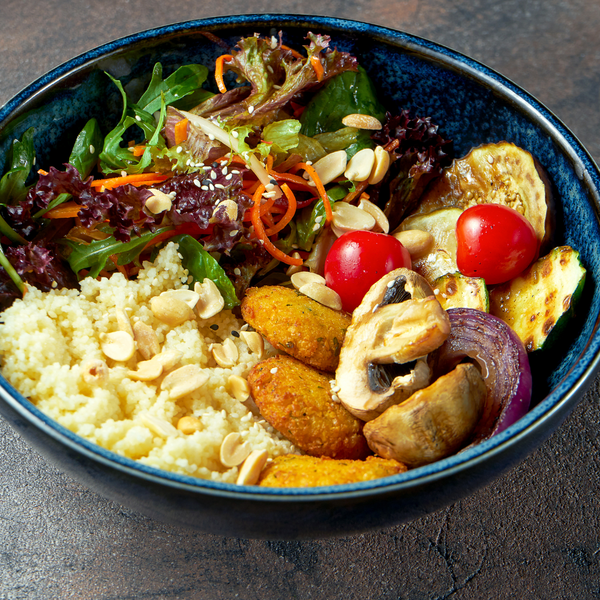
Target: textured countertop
pixel 533 533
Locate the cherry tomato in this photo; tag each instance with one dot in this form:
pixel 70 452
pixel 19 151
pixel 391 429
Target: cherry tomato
pixel 494 242
pixel 360 258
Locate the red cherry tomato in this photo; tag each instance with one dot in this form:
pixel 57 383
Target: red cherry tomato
pixel 494 242
pixel 360 258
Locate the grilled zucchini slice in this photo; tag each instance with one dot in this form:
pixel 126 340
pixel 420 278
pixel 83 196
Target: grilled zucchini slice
pixel 499 173
pixel 456 290
pixel 538 303
pixel 441 224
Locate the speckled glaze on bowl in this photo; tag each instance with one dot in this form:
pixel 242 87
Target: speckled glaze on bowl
pixel 473 105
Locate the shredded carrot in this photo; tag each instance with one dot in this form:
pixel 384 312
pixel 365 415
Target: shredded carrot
pixel 315 61
pixel 269 162
pixel 68 210
pixel 320 188
pixel 391 146
pixel 42 172
pixel 291 210
pixel 291 178
pixel 139 179
pixel 295 54
pixel 360 188
pixel 119 267
pixel 219 66
pixel 138 150
pixel 261 234
pixel 181 131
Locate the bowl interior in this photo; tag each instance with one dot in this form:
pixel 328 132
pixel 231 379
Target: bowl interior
pixel 471 104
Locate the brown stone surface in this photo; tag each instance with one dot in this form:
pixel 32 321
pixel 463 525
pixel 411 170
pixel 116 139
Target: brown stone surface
pixel 534 533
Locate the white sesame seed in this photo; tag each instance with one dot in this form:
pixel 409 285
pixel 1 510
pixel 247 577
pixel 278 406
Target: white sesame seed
pixel 233 233
pixel 235 171
pixel 179 149
pixel 92 149
pixel 270 69
pixel 123 173
pixel 138 118
pixel 273 42
pixel 316 227
pixel 211 187
pixel 224 170
pixel 276 87
pixel 390 283
pixel 220 186
pixel 236 271
pixel 172 194
pixel 228 177
pixel 309 162
pixel 204 187
pixel 235 134
pixel 211 137
pixel 318 219
pixel 251 109
pixel 197 183
pixel 436 292
pixel 274 370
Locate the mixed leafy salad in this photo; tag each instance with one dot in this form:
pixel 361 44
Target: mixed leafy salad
pixel 209 153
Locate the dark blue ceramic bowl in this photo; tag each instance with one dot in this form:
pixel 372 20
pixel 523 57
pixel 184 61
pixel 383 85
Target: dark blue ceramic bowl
pixel 473 105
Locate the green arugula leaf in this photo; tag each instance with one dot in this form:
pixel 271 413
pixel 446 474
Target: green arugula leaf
pixel 184 81
pixel 86 149
pixel 312 218
pixel 94 256
pixel 12 184
pixel 201 265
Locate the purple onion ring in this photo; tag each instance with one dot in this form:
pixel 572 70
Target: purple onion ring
pixel 503 362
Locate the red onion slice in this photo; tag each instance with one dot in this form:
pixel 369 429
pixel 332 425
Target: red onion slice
pixel 503 361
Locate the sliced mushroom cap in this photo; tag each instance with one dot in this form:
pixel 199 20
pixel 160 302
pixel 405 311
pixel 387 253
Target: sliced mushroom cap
pixel 382 360
pixel 434 422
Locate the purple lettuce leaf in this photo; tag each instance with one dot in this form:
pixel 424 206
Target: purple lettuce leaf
pixel 196 198
pixel 421 156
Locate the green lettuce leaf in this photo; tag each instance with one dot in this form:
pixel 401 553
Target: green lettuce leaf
pixel 348 93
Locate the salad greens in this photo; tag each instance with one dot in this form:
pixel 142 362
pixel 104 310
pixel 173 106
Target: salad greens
pixel 278 111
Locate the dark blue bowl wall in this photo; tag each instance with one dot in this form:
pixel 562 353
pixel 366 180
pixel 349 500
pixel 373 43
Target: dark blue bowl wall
pixel 410 73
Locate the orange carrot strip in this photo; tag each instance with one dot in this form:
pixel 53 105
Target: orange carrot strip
pixel 360 188
pixel 269 162
pixel 139 179
pixel 181 131
pixel 315 61
pixel 262 236
pixel 138 150
pixel 291 210
pixel 265 207
pixel 42 172
pixel 219 66
pixel 321 189
pixel 120 268
pixel 391 146
pixel 68 210
pixel 290 178
pixel 295 54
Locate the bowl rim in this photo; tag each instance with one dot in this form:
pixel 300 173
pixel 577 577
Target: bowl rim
pixel 555 405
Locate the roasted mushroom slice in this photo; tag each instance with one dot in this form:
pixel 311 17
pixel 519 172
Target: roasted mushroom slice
pixel 434 422
pixel 382 361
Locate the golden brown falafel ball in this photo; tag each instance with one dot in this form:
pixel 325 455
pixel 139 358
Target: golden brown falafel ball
pixel 292 470
pixel 297 401
pixel 297 325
